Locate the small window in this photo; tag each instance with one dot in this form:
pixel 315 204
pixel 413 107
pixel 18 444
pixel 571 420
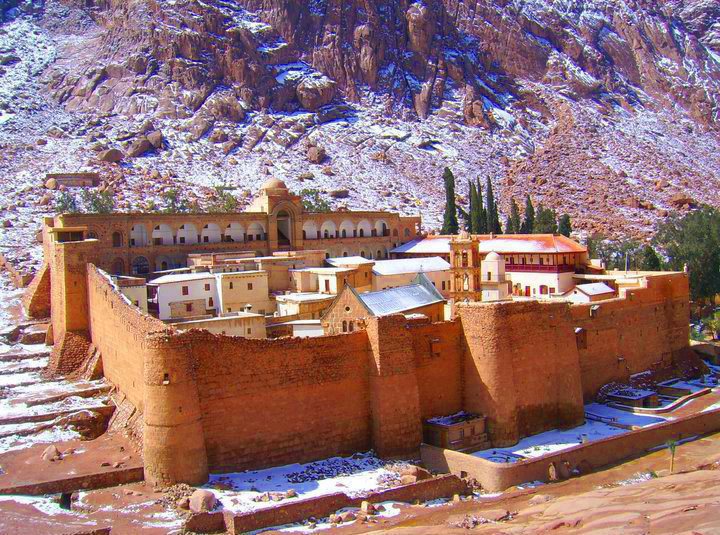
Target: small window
pixel 352 326
pixel 206 239
pixel 185 290
pixel 211 303
pixel 207 287
pixel 250 285
pixel 182 239
pixel 229 309
pixel 489 275
pixel 231 285
pixel 249 330
pixel 344 326
pixel 188 307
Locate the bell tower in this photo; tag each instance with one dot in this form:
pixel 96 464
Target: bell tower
pixel 465 266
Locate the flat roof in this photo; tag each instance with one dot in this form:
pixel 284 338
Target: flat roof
pixel 595 288
pixel 429 245
pixel 348 261
pixel 182 277
pixel 410 265
pixel 239 315
pixel 304 297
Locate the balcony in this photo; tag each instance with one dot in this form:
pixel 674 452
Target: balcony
pixel 538 268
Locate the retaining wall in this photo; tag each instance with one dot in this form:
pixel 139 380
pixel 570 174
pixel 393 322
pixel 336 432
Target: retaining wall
pixel 496 477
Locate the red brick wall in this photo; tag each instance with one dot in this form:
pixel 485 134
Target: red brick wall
pixel 265 403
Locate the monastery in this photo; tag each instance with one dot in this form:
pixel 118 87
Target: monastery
pixel 276 335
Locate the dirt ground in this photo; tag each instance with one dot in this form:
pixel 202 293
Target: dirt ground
pixel 623 498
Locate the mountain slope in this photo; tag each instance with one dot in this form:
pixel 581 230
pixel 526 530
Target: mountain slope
pixel 607 109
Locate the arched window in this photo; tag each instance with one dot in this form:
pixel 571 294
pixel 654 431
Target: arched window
pixel 140 266
pixel 92 235
pixel 162 235
pixel 117 239
pixel 234 232
pixel 211 233
pixel 344 326
pixel 378 255
pixel 351 326
pixel 118 266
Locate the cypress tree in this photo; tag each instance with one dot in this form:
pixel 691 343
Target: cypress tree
pixel 471 206
pixel 564 225
pixel 491 215
pixel 476 212
pixel 545 222
pixel 513 223
pixel 481 212
pixel 450 221
pixel 528 224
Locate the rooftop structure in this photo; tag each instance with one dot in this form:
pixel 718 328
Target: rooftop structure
pixel 403 299
pixel 410 265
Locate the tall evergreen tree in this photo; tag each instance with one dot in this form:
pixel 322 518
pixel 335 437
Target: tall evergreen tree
pixel 477 210
pixel 513 223
pixel 492 216
pixel 649 260
pixel 471 206
pixel 528 224
pixel 450 221
pixel 564 225
pixel 482 227
pixel 545 221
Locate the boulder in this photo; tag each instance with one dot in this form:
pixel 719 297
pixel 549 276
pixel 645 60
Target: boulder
pixel 139 147
pixel 340 194
pixel 316 154
pixel 680 200
pixel 420 474
pixel 51 183
pixel 202 500
pixel 156 139
pixel 51 454
pixel 111 156
pixel 367 508
pixel 315 92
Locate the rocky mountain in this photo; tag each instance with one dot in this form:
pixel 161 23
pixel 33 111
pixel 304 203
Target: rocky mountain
pixel 605 109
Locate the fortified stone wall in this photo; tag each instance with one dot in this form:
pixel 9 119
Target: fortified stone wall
pixel 266 403
pixel 218 403
pixel 521 367
pixel 647 329
pixel 438 350
pixel 120 332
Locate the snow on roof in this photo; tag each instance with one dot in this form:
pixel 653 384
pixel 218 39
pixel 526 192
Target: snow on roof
pixel 530 243
pixel 182 277
pixel 595 288
pixel 429 245
pixel 410 265
pixel 503 244
pixel 348 261
pixel 397 300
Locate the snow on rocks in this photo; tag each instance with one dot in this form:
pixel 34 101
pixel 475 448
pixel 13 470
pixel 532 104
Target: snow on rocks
pixel 355 475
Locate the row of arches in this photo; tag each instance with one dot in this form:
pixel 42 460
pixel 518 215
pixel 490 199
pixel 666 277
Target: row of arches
pixel 346 229
pixel 188 234
pixel 371 254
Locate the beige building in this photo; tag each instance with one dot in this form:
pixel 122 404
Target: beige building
pixel 589 293
pixel 495 286
pixel 237 290
pixel 303 305
pixel 401 272
pixel 244 324
pixel 134 289
pixel 351 309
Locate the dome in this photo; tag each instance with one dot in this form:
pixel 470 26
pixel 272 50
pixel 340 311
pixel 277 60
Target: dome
pixel 273 183
pixel 493 256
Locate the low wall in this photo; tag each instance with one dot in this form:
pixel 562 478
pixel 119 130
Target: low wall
pixel 322 506
pixel 497 477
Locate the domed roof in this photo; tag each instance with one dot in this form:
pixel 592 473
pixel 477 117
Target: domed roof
pixel 273 183
pixel 493 256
